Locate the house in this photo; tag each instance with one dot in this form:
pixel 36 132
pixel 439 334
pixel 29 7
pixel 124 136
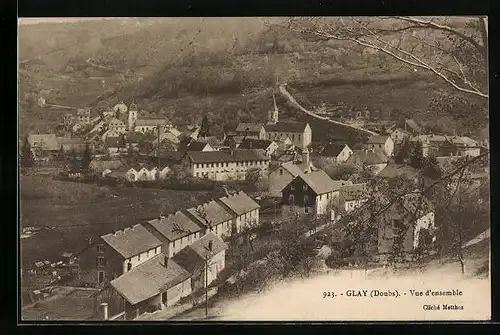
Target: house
pixel 251 129
pixel 311 193
pixel 245 210
pixel 237 140
pixel 193 145
pixel 284 143
pixel 151 125
pixel 406 218
pixel 352 196
pixel 115 145
pixel 226 165
pixel 376 161
pixel 141 172
pixel 412 127
pixel 340 152
pixel 431 144
pixel 209 252
pixel 299 133
pixel 175 231
pixel 70 144
pixel 460 146
pixel 152 285
pixel 286 172
pixel 213 217
pixel 44 145
pixel 399 135
pixel 117 125
pixel 382 143
pixel 269 147
pixel 114 254
pixel 404 171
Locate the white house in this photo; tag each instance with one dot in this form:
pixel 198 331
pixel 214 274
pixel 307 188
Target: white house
pixel 340 152
pixel 399 135
pixel 244 209
pixel 376 161
pixel 176 231
pixel 117 126
pixel 352 196
pixel 226 165
pixel 382 143
pixel 213 217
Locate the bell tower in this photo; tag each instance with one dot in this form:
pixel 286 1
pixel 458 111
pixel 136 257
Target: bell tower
pixel 132 116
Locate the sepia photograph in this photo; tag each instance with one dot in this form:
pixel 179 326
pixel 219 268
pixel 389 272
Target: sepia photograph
pixel 254 169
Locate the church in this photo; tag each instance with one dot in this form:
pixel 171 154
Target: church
pixel 299 133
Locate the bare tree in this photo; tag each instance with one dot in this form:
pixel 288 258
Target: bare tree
pixel 454 50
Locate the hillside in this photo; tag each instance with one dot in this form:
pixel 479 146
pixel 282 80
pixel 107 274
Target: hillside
pixel 185 67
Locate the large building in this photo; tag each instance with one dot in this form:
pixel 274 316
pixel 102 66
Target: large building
pixel 383 143
pixel 226 165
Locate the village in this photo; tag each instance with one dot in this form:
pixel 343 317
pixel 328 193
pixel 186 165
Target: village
pixel 275 176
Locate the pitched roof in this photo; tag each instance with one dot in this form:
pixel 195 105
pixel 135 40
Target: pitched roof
pixel 196 253
pixel 115 121
pixel 192 146
pixel 249 127
pixel 333 149
pixel 321 183
pixel 377 139
pixel 369 157
pixel 297 169
pixel 250 143
pixel 103 165
pixel 224 156
pixel 213 211
pixel 44 141
pixel 286 127
pixel 429 138
pixel 175 226
pixel 74 140
pixel 398 170
pixel 152 122
pixel 239 139
pixel 149 279
pixel 131 241
pixel 240 203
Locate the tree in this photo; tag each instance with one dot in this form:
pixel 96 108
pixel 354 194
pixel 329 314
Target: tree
pixel 74 162
pixel 205 127
pixel 402 152
pixel 431 168
pixel 416 158
pixel 27 159
pixel 452 49
pixel 86 158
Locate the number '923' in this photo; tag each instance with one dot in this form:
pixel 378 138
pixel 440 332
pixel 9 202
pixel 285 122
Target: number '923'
pixel 329 294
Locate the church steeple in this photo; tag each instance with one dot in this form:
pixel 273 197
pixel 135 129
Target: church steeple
pixel 273 114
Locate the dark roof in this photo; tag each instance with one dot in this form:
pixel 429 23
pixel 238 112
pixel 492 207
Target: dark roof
pixel 249 127
pixel 151 122
pixel 167 154
pixel 149 279
pixel 195 254
pixel 215 213
pixel 114 142
pixel 398 170
pixel 224 156
pixel 321 183
pixel 369 157
pixel 250 143
pixel 287 127
pixel 131 241
pixel 378 139
pixel 74 140
pixel 191 146
pixel 240 203
pixel 333 149
pixel 238 139
pixel 175 226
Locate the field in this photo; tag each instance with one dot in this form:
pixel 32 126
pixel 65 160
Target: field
pixel 75 212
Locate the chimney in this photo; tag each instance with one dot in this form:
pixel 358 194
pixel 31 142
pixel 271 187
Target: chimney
pixel 165 261
pixel 104 308
pixel 305 156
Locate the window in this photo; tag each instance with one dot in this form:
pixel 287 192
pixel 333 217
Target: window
pixel 292 186
pixel 100 248
pixel 157 250
pixel 129 266
pixel 197 174
pixel 139 257
pixel 174 244
pixel 147 255
pixel 305 187
pixel 101 262
pixel 291 200
pixel 100 276
pixel 281 172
